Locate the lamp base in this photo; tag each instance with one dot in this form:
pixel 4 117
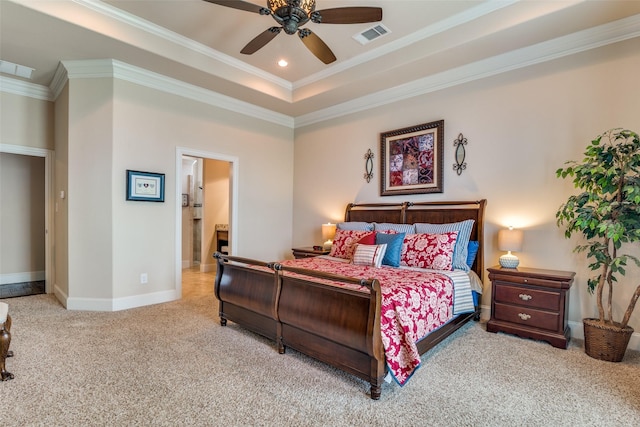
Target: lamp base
pixel 509 261
pixel 327 245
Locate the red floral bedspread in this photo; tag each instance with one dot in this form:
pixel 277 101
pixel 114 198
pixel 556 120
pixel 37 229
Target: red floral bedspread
pixel 414 303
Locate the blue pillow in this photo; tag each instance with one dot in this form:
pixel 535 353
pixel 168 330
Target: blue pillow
pixel 394 247
pixel 472 251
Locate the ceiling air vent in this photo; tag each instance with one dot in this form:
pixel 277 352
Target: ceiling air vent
pixel 15 69
pixel 371 34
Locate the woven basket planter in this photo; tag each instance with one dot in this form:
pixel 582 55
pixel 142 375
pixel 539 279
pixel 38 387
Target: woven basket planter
pixel 605 342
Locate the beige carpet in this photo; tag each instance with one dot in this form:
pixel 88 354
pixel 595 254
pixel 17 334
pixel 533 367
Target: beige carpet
pixel 173 364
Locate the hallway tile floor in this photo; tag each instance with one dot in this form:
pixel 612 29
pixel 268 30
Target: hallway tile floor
pixel 195 283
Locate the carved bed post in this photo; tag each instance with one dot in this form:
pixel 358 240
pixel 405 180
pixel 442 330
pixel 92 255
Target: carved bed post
pixel 219 272
pixel 374 340
pixel 5 341
pixel 277 268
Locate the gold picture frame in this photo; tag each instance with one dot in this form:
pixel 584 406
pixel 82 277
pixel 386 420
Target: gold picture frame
pixel 411 160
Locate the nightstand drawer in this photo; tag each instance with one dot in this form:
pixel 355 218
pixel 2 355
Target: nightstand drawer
pixel 527 297
pixel 527 316
pixel 529 281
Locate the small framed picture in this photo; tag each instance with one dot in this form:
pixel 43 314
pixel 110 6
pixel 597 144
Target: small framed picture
pixel 145 186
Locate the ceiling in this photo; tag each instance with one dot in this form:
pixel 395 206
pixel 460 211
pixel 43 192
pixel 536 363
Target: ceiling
pixel 435 43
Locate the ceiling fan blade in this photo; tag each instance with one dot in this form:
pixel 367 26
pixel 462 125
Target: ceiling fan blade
pixel 261 40
pixel 349 15
pixel 241 5
pixel 316 46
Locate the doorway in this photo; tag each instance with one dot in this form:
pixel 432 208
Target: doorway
pixel 207 204
pixel 27 197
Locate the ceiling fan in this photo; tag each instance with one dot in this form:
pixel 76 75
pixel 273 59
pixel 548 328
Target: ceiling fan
pixel 293 14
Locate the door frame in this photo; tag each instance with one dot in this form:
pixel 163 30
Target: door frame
pixel 233 203
pixel 48 155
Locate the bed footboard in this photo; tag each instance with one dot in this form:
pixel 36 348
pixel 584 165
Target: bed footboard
pixel 336 325
pixel 247 292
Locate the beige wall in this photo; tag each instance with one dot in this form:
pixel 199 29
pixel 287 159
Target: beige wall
pixel 148 127
pixel 521 127
pixel 61 179
pixel 89 194
pixel 22 245
pixel 26 121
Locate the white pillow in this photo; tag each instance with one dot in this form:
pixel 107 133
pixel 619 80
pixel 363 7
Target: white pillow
pixel 370 255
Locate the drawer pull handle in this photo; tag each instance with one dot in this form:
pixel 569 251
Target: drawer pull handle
pixel 524 316
pixel 525 297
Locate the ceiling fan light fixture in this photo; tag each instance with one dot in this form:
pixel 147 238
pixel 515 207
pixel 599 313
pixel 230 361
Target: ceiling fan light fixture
pixel 291 14
pixel 307 6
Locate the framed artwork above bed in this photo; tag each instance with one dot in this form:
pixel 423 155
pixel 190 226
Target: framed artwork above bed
pixel 411 160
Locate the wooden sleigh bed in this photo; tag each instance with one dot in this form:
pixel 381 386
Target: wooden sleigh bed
pixel 340 326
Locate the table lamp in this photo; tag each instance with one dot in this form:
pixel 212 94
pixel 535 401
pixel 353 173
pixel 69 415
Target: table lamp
pixel 328 232
pixel 510 240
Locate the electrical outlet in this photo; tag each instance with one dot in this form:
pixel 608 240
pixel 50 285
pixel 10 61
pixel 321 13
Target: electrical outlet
pixel 143 278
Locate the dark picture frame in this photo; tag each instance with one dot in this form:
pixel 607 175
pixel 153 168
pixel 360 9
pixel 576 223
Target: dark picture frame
pixel 411 160
pixel 145 186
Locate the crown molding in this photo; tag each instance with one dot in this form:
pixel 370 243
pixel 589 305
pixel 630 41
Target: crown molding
pixel 581 41
pixel 111 68
pixel 22 88
pixel 426 32
pixel 184 42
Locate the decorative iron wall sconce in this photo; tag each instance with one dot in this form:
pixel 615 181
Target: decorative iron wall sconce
pixel 459 143
pixel 368 166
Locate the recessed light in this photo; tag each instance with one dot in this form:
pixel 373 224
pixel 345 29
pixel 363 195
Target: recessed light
pixel 283 63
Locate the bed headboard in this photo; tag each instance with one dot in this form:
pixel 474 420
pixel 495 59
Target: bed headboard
pixel 429 212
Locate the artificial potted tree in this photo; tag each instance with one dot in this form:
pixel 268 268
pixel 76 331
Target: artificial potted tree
pixel 607 214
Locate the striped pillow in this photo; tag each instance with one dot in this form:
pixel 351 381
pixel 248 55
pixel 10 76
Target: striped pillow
pixel 355 225
pixel 400 228
pixel 464 234
pixel 370 255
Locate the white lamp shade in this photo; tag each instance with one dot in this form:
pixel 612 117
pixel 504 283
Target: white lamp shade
pixel 510 240
pixel 328 231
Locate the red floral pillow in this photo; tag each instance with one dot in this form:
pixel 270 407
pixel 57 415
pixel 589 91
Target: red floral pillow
pixel 344 242
pixel 432 251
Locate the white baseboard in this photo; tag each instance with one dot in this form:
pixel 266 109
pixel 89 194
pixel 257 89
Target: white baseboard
pixel 186 263
pixel 27 276
pixel 117 304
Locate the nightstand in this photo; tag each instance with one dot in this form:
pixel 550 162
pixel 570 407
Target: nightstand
pixel 531 303
pixel 308 251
